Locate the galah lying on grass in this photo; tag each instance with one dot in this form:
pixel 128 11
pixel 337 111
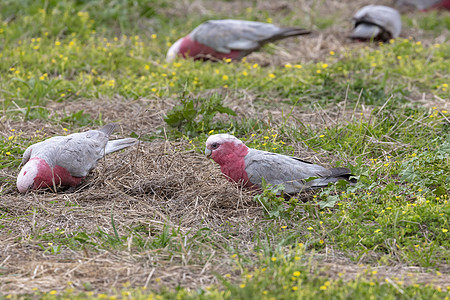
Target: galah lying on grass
pixel 249 166
pixel 426 4
pixel 377 22
pixel 66 160
pixel 233 39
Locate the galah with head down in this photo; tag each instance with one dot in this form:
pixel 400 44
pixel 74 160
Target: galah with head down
pixel 376 22
pixel 426 4
pixel 232 39
pixel 249 166
pixel 66 160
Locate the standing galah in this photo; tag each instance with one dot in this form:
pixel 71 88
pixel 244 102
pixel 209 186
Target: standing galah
pixel 233 39
pixel 377 22
pixel 426 4
pixel 66 160
pixel 249 166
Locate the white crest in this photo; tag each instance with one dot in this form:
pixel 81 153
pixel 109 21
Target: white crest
pixel 25 179
pixel 222 138
pixel 173 51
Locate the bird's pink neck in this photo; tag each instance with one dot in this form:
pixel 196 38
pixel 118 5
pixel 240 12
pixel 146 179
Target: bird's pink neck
pixel 231 161
pixel 192 48
pixel 44 177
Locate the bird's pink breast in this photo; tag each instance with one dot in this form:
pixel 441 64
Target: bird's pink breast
pixel 231 161
pixel 62 176
pixel 192 48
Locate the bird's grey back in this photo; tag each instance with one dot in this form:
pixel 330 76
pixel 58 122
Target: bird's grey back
pixel 282 169
pixel 226 35
pixel 78 152
pixel 385 17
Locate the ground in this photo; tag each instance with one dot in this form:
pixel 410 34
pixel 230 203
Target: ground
pixel 160 219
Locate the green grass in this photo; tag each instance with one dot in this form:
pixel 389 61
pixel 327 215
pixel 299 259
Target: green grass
pixel 398 147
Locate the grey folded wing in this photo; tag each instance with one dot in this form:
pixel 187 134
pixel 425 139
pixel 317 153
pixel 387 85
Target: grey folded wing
pixel 79 152
pixel 281 169
pixel 384 17
pixel 226 35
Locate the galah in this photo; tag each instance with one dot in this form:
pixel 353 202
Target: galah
pixel 249 166
pixel 377 22
pixel 426 4
pixel 233 39
pixel 66 160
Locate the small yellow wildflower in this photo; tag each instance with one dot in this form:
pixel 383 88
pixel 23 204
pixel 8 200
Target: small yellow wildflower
pixel 322 135
pixel 271 75
pixel 147 67
pixel 227 275
pixel 234 256
pixel 332 53
pixel 298 66
pixel 294 288
pixel 283 227
pixel 321 242
pixel 374 272
pixel 228 60
pixel 296 273
pixel 296 258
pixel 57 43
pixel 444 230
pixel 10 137
pixel 310 228
pixel 373 64
pixel 8 153
pixel 399 57
pixel 269 20
pixel 154 90
pixel 255 66
pixel 318 71
pixel 273 259
pixel 225 77
pixel 265 292
pixel 53 292
pixel 288 66
pixel 242 286
pixel 324 66
pixel 323 287
pixel 244 73
pixel 211 131
pixel 300 245
pixel 378 230
pixel 154 36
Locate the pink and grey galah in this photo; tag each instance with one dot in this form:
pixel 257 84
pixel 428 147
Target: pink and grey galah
pixel 228 39
pixel 66 160
pixel 376 22
pixel 249 166
pixel 425 4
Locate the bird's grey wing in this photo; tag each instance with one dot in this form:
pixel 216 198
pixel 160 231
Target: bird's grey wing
pixel 226 35
pixel 80 152
pixel 281 169
pixel 385 17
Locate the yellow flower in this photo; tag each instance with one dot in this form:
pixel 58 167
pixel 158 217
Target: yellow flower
pixel 234 256
pixel 322 135
pixel 269 20
pixel 296 273
pixel 154 90
pixel 373 64
pixel 225 77
pixel 271 75
pixel 288 66
pixel 378 230
pixel 309 228
pixel 324 66
pixel 419 43
pixel 374 272
pixel 227 60
pixel 283 227
pixel 57 43
pixel 318 71
pixel 298 66
pixel 211 131
pixel 323 287
pixel 296 258
pixel 399 57
pixel 244 73
pixel 154 36
pixel 65 129
pixel 331 52
pixel 52 292
pixel 249 276
pixel 300 245
pixel 273 259
pixel 62 95
pixel 444 230
pixel 255 66
pixel 321 242
pixel 294 288
pixel 10 137
pixel 242 286
pixel 265 292
pixel 227 275
pixel 8 153
pixel 147 67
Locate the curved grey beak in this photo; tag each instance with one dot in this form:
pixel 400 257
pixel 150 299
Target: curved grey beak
pixel 208 152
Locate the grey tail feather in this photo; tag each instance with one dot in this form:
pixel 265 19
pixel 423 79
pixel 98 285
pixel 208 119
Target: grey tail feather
pixel 117 145
pixel 287 32
pixel 108 128
pixel 366 31
pixel 342 173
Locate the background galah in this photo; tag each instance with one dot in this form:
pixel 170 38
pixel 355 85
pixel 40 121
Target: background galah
pixel 66 160
pixel 377 22
pixel 248 166
pixel 425 4
pixel 234 39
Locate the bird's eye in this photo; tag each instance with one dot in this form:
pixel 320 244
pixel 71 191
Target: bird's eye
pixel 214 146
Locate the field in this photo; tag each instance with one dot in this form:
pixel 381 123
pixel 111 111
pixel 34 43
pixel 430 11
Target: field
pixel 159 220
